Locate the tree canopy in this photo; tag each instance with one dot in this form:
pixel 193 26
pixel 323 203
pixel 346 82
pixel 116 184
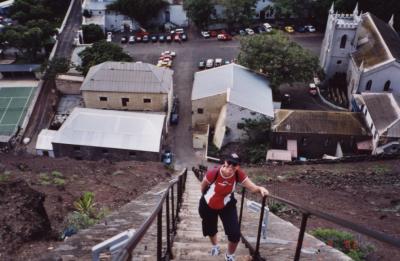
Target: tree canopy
pixel 101 52
pixel 199 11
pixel 92 33
pixel 50 10
pixel 239 12
pixel 140 10
pixel 29 39
pixel 282 60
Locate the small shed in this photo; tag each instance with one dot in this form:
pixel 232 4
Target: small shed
pixel 44 146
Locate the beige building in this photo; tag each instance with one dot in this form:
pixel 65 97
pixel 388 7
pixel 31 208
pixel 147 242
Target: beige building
pixel 128 86
pixel 223 96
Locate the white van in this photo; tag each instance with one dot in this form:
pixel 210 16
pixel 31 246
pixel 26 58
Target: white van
pixel 267 27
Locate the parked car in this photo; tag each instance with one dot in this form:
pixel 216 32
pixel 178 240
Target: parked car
pixel 131 39
pixel 300 29
pixel 218 62
pixel 145 39
pixel 177 38
pixel 184 37
pixel 171 53
pixel 138 39
pixel 179 31
pixel 154 38
pixel 168 38
pixel 267 27
pixel 174 119
pixel 242 32
pixel 312 89
pixel 249 31
pixel 310 28
pixel 289 29
pixel 224 37
pixel 161 38
pixel 227 62
pixel 233 32
pixel 202 65
pixel 210 63
pixel 109 37
pixel 213 33
pixel 167 157
pixel 259 30
pixel 205 34
pixel 124 39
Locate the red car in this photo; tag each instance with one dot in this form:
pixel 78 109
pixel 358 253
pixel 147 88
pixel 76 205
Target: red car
pixel 213 33
pixel 224 37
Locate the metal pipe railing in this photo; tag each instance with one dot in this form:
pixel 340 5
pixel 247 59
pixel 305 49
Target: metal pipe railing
pixel 126 252
pixel 306 213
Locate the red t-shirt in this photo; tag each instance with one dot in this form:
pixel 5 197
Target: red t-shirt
pixel 219 192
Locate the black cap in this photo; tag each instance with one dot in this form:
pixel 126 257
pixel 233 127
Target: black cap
pixel 233 159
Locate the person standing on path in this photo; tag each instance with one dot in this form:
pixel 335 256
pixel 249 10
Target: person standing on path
pixel 218 199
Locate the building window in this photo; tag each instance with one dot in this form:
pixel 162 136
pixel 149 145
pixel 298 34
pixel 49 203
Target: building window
pixel 200 110
pixel 339 62
pixel 125 101
pixel 369 85
pixel 147 100
pixel 326 143
pixel 372 125
pixel 77 148
pixel 365 112
pixel 102 98
pixel 132 153
pixel 387 86
pixel 343 42
pixel 304 142
pixel 104 151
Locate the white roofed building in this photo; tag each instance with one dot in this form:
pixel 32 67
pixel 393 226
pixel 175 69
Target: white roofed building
pixel 223 96
pixel 128 86
pixel 94 134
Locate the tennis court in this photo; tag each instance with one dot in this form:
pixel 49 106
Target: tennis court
pixel 14 103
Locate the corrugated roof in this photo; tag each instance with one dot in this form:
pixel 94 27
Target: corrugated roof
pixel 242 87
pixel 45 139
pixel 112 129
pixel 370 48
pixel 389 35
pixel 319 122
pixel 6 4
pixel 128 77
pixel 383 109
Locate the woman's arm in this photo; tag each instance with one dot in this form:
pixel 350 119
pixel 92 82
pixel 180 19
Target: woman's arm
pixel 204 184
pixel 254 188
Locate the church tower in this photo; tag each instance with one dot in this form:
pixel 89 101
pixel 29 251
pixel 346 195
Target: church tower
pixel 338 41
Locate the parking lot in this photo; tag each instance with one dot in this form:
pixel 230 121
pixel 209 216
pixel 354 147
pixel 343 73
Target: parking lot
pixel 185 64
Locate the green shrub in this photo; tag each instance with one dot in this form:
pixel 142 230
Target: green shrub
pixel 85 204
pixel 44 176
pixel 80 220
pixel 59 181
pixel 343 241
pixel 276 207
pixel 57 174
pixel 3 177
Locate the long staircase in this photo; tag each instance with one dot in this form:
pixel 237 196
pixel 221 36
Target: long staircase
pixel 190 244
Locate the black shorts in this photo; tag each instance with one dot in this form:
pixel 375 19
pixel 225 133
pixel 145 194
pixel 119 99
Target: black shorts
pixel 228 217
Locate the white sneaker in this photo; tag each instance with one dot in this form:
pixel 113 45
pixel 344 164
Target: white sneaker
pixel 229 257
pixel 215 251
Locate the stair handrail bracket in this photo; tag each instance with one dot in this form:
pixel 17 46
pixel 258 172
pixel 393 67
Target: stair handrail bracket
pixel 172 218
pixel 306 213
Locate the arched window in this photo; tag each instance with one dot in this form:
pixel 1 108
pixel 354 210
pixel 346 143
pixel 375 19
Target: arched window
pixel 387 86
pixel 343 41
pixel 369 84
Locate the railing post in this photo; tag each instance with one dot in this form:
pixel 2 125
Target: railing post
pixel 301 236
pixel 159 235
pixel 169 253
pixel 241 206
pixel 173 209
pixel 257 252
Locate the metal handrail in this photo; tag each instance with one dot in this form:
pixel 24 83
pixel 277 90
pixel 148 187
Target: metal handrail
pixel 306 213
pixel 180 182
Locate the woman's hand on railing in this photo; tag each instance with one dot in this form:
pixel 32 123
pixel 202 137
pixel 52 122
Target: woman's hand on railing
pixel 263 191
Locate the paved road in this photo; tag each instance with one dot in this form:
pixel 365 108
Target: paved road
pixel 66 38
pixel 185 65
pixel 310 41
